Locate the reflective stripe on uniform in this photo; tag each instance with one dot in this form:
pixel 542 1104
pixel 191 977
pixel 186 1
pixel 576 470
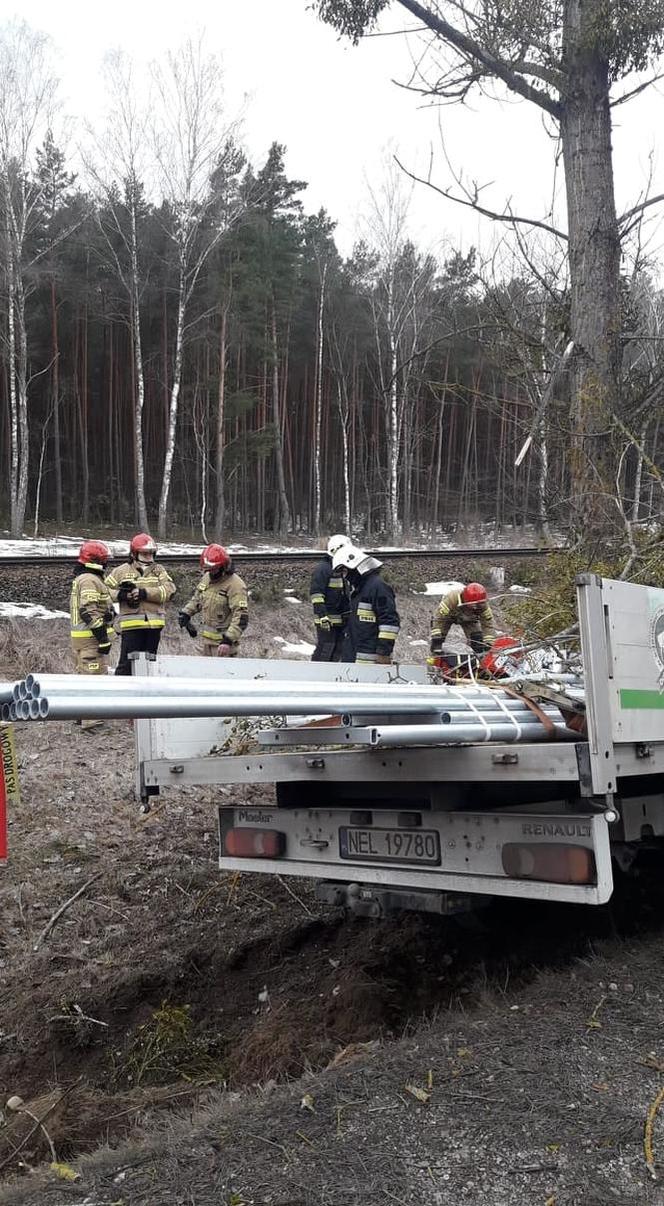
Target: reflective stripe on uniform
pixel 388 632
pixel 78 634
pixel 335 584
pixel 214 636
pixel 366 657
pixel 127 622
pixel 366 614
pixel 317 598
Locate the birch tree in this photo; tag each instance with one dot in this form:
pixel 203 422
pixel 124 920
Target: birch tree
pixel 27 99
pixel 197 161
pixel 319 244
pixel 117 164
pixel 401 279
pixel 565 57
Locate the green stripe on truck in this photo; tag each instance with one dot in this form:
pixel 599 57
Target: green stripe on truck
pixel 642 699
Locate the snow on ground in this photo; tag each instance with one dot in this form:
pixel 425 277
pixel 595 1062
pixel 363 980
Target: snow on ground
pixel 418 643
pixel 440 588
pixel 520 590
pixel 30 546
pixel 302 649
pixel 30 611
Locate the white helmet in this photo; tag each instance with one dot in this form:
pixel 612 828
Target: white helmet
pixel 336 542
pixel 351 557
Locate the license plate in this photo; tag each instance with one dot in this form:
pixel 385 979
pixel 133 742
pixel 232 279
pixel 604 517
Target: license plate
pixel 420 846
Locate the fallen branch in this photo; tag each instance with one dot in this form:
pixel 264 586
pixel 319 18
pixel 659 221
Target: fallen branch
pixel 38 1123
pixel 58 914
pixel 648 1134
pixel 295 896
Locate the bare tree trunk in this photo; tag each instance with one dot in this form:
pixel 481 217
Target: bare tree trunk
pixel 173 412
pixel 55 386
pixel 434 519
pixel 22 398
pixel 594 256
pixel 543 483
pixel 318 408
pixel 282 518
pixel 219 443
pixel 85 421
pixel 112 464
pixel 16 520
pixel 40 471
pixel 392 423
pixel 638 475
pixel 139 399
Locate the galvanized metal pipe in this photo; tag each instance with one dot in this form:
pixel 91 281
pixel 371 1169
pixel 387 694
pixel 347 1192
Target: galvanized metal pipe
pixel 7 692
pixel 47 684
pixel 451 734
pixel 426 697
pixel 62 707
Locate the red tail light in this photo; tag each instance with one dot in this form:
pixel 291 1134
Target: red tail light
pixel 553 863
pixel 255 843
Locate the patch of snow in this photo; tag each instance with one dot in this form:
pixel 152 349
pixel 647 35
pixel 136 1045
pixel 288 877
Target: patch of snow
pixel 520 590
pixel 291 599
pixel 30 611
pixel 440 588
pixel 302 649
pixel 425 643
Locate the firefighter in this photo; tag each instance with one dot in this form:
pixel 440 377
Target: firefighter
pixel 373 623
pixel 92 614
pixel 330 603
pixel 142 589
pixel 221 598
pixel 469 609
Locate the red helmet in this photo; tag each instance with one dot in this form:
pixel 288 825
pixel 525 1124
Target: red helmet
pixel 142 543
pixel 214 557
pixel 474 592
pixel 94 554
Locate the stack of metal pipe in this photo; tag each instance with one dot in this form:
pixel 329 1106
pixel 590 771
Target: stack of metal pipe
pixel 398 713
pixel 7 690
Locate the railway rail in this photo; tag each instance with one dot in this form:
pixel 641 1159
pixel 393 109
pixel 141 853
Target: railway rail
pixel 301 555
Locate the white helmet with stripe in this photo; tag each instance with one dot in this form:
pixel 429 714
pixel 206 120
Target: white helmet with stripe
pixel 336 542
pixel 351 557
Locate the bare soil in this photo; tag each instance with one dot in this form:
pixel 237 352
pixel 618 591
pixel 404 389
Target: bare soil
pixel 188 1037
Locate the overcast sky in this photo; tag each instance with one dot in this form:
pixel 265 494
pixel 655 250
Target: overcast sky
pixel 338 111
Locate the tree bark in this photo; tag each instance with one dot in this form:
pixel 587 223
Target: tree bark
pixel 219 515
pixel 55 386
pixel 318 407
pixel 173 411
pixel 594 258
pixel 282 518
pixel 139 398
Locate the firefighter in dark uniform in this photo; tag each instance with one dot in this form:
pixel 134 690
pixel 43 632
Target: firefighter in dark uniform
pixel 373 623
pixel 330 603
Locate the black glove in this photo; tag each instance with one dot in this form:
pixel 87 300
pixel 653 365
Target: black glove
pixel 191 629
pixel 436 646
pixel 142 593
pixel 184 620
pixel 101 636
pixel 125 589
pixel 479 645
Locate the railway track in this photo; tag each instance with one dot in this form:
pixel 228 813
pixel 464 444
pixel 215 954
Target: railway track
pixel 301 555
